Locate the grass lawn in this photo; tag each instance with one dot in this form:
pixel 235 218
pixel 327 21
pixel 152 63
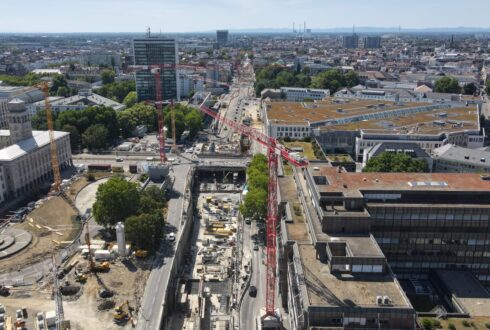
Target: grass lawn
pixel 307 148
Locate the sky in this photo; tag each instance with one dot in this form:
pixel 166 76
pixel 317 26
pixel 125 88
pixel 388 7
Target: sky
pixel 209 15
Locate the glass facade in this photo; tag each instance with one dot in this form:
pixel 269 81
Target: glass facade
pixel 156 51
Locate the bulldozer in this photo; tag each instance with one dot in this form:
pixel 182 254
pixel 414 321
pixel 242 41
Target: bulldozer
pixel 81 278
pixel 101 267
pixel 141 253
pixel 120 314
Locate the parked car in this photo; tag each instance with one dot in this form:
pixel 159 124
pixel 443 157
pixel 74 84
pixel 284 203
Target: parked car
pixel 253 291
pixel 171 237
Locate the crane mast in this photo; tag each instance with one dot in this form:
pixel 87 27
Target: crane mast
pixel 161 132
pixel 52 141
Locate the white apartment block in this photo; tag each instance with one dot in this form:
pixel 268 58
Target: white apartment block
pixel 295 94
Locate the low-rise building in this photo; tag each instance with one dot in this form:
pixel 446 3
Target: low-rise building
pixel 26 160
pixel 81 101
pixel 452 158
pixel 408 148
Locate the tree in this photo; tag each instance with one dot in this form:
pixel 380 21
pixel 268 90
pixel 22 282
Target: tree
pixel 395 162
pixel 107 76
pixel 117 90
pixel 116 200
pixel 254 205
pixel 334 80
pixel 469 89
pixel 75 138
pixel 193 121
pixel 58 82
pixel 63 91
pixel 487 86
pixel 130 99
pixel 95 137
pixel 144 230
pixel 447 85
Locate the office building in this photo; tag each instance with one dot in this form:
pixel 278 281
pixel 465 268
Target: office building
pixel 156 51
pixel 373 42
pixel 408 148
pixel 341 259
pixel 350 42
pixel 26 157
pixel 222 38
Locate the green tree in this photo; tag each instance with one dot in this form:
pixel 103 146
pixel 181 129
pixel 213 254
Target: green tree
pixel 487 86
pixel 131 99
pixel 63 91
pixel 469 89
pixel 193 121
pixel 116 200
pixel 117 90
pixel 107 76
pixel 447 85
pixel 254 204
pixel 29 79
pixel 95 137
pixel 395 162
pixel 58 82
pixel 75 138
pixel 145 230
pixel 334 80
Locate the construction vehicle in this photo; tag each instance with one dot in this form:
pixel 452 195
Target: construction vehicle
pixel 120 314
pixel 274 151
pixel 4 291
pixel 81 278
pixel 141 253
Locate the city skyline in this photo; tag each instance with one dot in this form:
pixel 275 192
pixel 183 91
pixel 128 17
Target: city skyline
pixel 133 16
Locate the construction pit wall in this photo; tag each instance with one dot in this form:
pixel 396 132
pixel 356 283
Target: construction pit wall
pixel 206 292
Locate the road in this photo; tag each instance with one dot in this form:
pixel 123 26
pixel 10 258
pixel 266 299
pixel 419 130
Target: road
pixel 251 307
pixel 150 315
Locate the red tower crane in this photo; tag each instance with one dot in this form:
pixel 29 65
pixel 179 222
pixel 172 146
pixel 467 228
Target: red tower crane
pixel 274 150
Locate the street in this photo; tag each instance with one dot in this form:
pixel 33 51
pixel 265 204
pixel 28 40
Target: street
pixel 150 314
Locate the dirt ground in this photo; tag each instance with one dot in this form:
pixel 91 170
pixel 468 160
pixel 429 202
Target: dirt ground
pixel 125 278
pixel 52 222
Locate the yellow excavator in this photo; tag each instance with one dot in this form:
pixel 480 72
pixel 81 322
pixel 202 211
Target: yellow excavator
pixel 120 314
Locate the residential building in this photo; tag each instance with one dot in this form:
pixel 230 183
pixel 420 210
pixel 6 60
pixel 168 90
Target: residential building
pixel 222 38
pixel 159 52
pixel 350 42
pixel 453 158
pixel 101 58
pixel 372 42
pixel 26 161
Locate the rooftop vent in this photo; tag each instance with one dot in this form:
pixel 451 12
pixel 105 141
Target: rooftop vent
pixel 466 157
pixel 482 160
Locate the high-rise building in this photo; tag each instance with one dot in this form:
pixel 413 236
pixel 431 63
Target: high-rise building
pixel 222 37
pixel 156 51
pixel 373 42
pixel 350 42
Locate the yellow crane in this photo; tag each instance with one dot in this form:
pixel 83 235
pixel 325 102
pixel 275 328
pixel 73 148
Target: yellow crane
pixel 52 141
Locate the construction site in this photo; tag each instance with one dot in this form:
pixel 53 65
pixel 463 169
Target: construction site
pixel 207 289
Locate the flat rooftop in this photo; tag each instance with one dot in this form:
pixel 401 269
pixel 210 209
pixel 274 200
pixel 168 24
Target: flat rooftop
pixel 468 291
pixel 297 230
pixel 324 288
pixel 349 183
pixel 330 108
pixel 430 122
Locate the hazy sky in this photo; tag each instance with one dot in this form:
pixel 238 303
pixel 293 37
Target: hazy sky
pixel 206 15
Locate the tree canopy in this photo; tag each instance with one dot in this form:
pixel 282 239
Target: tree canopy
pixel 138 114
pixel 29 79
pixel 469 89
pixel 185 118
pixel 117 91
pixel 131 99
pixel 447 85
pixel 275 76
pixel 144 230
pixel 107 76
pixel 395 162
pixel 335 80
pixel 116 200
pixel 95 137
pixel 254 205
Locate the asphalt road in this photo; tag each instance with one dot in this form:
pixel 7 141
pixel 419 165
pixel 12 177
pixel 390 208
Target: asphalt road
pixel 252 307
pixel 156 286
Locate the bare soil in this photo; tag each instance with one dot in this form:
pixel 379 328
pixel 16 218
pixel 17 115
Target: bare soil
pixel 53 222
